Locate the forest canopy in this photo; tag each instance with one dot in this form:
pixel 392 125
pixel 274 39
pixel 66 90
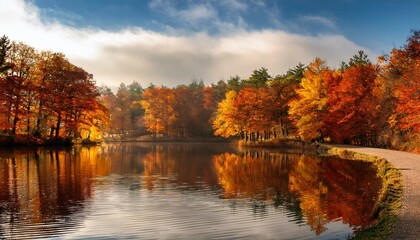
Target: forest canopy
pixel 44 96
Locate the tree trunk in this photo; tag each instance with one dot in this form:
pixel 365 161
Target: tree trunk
pixel 28 123
pixel 51 132
pixel 16 116
pixel 57 128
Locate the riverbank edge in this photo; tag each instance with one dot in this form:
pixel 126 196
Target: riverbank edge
pixel 390 196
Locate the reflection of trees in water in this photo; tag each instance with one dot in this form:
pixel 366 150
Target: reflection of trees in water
pixel 255 174
pixel 41 190
pixel 184 165
pixel 187 166
pixel 335 189
pixel 305 180
pixel 160 159
pixel 357 207
pixel 259 175
pixel 323 190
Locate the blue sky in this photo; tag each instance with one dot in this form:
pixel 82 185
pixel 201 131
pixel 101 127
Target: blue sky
pixel 171 42
pixel 375 24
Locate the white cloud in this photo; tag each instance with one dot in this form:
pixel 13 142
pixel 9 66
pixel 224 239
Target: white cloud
pixel 168 59
pixel 198 13
pixel 235 5
pixel 192 14
pixel 320 20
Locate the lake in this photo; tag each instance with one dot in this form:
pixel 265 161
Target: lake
pixel 182 191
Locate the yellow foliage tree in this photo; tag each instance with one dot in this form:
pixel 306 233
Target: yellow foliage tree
pixel 310 108
pixel 225 123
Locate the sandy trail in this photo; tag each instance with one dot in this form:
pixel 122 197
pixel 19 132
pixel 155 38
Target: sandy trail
pixel 408 225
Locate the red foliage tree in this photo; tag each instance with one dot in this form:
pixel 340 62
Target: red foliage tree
pixel 353 106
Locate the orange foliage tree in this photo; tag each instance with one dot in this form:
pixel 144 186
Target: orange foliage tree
pixel 402 76
pixel 159 114
pixel 17 85
pixel 73 100
pixel 253 105
pixel 353 106
pixel 45 96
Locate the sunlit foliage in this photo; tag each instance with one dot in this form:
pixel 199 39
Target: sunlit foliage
pixel 309 109
pixel 46 97
pixel 402 79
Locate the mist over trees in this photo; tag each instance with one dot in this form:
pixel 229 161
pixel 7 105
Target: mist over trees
pixel 44 96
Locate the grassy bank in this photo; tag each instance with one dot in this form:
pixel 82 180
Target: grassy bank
pixel 390 196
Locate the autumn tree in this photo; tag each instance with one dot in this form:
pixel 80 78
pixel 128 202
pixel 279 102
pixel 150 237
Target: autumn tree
pixel 353 104
pixel 407 90
pixel 401 82
pixel 84 113
pixel 283 90
pixel 159 114
pixel 45 96
pixel 72 98
pixel 55 85
pixel 254 106
pixel 17 85
pixel 246 113
pixel 225 122
pixel 108 99
pixel 42 74
pixel 192 115
pixel 309 110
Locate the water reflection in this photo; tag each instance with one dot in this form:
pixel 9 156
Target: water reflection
pixel 40 190
pixel 321 189
pixel 182 191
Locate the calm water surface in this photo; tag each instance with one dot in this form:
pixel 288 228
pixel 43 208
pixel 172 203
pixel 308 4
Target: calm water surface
pixel 182 191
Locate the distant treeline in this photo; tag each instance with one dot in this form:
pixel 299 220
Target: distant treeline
pixel 363 103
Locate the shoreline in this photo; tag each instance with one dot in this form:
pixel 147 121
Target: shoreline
pixel 401 189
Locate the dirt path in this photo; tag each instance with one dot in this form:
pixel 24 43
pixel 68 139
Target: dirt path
pixel 408 225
